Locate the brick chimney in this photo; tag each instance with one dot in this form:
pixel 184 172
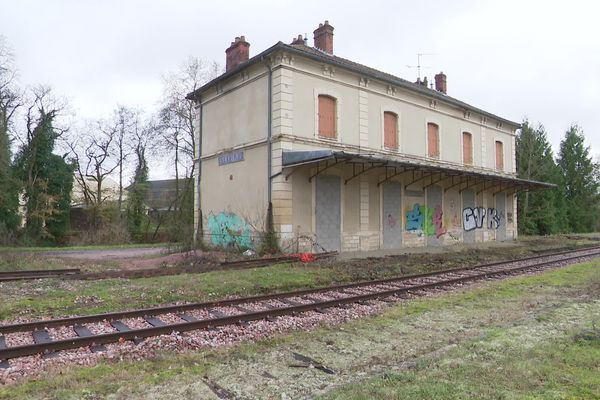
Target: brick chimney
pixel 324 37
pixel 440 83
pixel 237 53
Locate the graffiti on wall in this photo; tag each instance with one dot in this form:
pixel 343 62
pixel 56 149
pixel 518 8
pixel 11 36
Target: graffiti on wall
pixel 438 221
pixel 227 229
pixel 424 220
pixel 474 218
pixel 391 221
pixel 414 219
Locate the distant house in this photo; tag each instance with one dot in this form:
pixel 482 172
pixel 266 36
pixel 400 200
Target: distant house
pixel 162 195
pixel 109 192
pixel 82 199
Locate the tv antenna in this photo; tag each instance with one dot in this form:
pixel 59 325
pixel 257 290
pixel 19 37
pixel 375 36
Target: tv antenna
pixel 419 66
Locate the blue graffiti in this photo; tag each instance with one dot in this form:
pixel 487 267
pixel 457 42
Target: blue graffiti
pixel 414 219
pixel 227 229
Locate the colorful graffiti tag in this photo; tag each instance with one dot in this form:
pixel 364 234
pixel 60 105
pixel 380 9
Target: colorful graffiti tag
pixel 227 229
pixel 424 220
pixel 474 217
pixel 414 219
pixel 437 220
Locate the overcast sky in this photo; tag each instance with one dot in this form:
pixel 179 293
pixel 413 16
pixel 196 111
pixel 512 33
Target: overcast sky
pixel 513 58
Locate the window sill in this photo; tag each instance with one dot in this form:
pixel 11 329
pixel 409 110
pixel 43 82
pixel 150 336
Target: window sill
pixel 328 138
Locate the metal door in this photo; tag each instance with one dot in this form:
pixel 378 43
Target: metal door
pixel 500 216
pixel 392 216
pixel 328 213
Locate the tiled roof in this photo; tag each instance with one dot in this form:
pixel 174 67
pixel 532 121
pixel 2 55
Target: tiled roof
pixel 318 55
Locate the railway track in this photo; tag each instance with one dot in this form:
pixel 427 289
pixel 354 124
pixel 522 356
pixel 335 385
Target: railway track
pixel 93 331
pixel 37 274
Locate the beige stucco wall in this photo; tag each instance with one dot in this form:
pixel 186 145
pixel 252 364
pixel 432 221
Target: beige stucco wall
pixel 239 188
pixel 237 118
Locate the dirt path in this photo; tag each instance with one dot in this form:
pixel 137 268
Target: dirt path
pixel 107 254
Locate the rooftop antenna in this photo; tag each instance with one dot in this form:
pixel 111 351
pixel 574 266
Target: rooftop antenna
pixel 419 66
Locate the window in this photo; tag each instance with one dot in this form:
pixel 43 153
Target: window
pixel 390 130
pixel 467 148
pixel 499 156
pixel 327 117
pixel 433 140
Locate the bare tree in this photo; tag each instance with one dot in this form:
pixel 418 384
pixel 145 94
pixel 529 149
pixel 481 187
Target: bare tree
pixel 93 153
pixel 126 121
pixel 10 98
pixel 176 114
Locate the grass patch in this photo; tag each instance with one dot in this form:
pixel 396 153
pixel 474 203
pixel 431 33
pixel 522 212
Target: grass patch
pixel 558 369
pixel 55 297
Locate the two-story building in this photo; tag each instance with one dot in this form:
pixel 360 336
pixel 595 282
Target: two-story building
pixel 349 157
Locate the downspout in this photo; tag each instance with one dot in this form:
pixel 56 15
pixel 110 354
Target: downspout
pixel 199 229
pixel 269 131
pixel 270 241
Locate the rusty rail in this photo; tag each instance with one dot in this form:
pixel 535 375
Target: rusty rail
pixel 37 274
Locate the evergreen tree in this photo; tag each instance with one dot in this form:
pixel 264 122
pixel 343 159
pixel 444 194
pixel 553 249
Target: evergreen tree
pixel 10 101
pixel 580 182
pixel 47 181
pixel 543 212
pixel 136 212
pixel 9 189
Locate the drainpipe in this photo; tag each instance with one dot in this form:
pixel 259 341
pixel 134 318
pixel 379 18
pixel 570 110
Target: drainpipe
pixel 270 231
pixel 199 229
pixel 269 129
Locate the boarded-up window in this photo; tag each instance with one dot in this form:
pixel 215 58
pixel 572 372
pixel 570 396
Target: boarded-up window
pixel 390 130
pixel 433 140
pixel 327 117
pixel 467 148
pixel 499 156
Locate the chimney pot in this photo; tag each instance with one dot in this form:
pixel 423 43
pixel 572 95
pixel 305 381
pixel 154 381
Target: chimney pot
pixel 298 40
pixel 323 37
pixel 237 53
pixel 440 83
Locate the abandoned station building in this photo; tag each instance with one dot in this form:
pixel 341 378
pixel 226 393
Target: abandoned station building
pixel 351 158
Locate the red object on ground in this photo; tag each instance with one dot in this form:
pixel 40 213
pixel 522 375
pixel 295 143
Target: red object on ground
pixel 305 257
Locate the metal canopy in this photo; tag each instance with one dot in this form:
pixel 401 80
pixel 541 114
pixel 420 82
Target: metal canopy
pixel 293 159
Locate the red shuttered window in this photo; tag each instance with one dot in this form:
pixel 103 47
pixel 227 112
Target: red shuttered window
pixel 499 156
pixel 433 140
pixel 467 148
pixel 327 117
pixel 390 130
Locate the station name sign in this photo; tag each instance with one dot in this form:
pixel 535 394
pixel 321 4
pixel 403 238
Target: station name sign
pixel 231 157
